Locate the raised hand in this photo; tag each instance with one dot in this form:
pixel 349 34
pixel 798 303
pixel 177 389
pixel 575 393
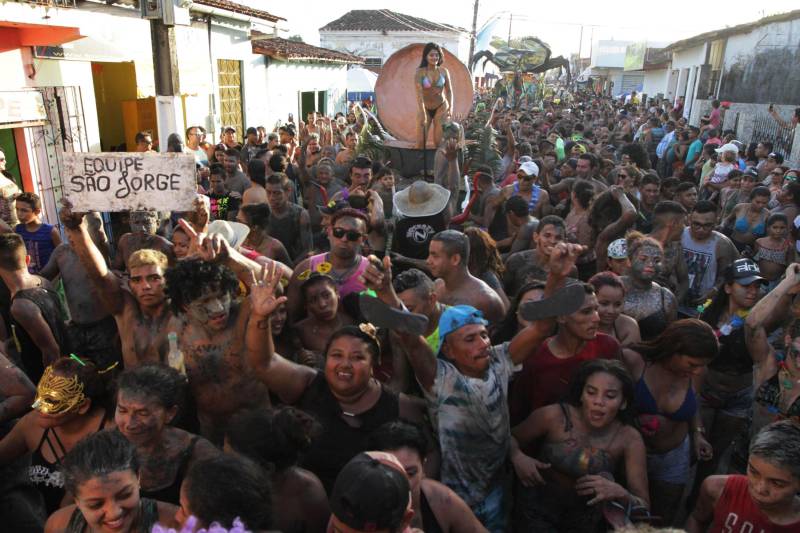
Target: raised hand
pixel 69 219
pixel 204 246
pixel 378 274
pixel 563 258
pixel 451 149
pixel 263 300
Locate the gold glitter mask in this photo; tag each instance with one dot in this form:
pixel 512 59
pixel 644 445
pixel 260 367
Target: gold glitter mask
pixel 57 394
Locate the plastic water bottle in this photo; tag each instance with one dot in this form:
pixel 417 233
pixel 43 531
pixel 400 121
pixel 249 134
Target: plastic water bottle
pixel 175 356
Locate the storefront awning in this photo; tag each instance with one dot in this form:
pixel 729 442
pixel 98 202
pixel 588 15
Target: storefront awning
pixel 15 35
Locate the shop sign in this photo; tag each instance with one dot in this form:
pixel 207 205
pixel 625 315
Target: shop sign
pixel 22 106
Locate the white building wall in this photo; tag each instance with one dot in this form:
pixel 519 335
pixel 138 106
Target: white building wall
pixel 655 82
pixel 376 44
pixel 285 80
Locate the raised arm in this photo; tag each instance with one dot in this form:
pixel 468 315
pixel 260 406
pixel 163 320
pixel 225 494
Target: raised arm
pixel 420 356
pixel 527 341
pixel 770 310
pixel 287 379
pixel 106 283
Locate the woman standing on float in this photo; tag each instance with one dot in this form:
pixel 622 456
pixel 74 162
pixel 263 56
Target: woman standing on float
pixel 434 94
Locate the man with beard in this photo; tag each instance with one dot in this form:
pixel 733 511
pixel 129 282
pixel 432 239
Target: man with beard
pixel 211 338
pixel 344 263
pixel 447 261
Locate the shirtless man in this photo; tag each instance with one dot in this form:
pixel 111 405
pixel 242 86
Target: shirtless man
pixel 92 331
pixel 325 315
pixel 142 236
pixel 36 314
pixel 447 261
pixel 668 226
pixel 139 306
pixel 346 154
pixel 211 336
pixel 528 265
pixel 256 194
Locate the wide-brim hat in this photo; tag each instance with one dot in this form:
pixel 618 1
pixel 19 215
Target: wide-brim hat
pixel 233 232
pixel 421 199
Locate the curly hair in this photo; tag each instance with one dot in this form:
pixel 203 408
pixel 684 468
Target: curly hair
pixel 190 279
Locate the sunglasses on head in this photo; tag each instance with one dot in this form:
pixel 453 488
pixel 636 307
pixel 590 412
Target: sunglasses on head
pixel 352 235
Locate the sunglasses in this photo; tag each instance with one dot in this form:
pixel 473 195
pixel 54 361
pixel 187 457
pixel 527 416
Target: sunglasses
pixel 352 235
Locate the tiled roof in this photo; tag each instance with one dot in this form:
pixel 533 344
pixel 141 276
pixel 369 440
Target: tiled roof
pixel 297 51
pixel 384 20
pixel 227 5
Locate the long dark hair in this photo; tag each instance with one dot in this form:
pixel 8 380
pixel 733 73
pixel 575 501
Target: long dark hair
pixel 428 48
pixel 607 366
pixel 688 336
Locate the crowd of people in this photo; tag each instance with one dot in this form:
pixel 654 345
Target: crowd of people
pixel 596 328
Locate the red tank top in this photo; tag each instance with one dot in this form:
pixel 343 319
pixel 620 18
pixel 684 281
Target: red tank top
pixel 736 512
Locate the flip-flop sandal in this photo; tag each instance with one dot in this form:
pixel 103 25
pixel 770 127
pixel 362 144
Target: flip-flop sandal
pixel 565 301
pixel 383 316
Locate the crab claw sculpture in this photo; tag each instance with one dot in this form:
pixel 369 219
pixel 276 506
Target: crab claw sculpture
pixel 533 57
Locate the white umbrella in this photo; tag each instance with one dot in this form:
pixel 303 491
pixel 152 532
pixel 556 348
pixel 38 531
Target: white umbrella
pixel 361 80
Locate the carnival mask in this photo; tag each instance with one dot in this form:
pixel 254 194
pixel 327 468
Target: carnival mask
pixel 56 394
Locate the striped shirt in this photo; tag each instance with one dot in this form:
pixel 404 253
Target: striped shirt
pixel 473 428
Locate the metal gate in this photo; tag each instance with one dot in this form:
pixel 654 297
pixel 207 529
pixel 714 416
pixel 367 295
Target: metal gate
pixel 65 131
pixel 230 94
pixel 765 128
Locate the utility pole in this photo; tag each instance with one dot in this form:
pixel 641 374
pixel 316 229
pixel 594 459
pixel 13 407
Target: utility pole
pixel 165 69
pixel 474 36
pixel 510 18
pixel 580 43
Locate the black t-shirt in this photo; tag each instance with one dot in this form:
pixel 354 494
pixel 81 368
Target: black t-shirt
pixel 412 236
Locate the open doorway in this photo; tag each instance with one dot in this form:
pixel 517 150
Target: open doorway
pixel 113 84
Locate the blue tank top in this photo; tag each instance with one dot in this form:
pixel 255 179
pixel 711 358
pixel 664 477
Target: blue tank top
pixel 39 244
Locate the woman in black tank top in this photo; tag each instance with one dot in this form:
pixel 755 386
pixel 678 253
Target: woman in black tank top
pixel 69 405
pixel 148 399
pixel 437 509
pixel 347 401
pixel 102 473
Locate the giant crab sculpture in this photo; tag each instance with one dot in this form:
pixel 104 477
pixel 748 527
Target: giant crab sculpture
pixel 532 58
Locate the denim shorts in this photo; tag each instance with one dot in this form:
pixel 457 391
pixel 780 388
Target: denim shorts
pixel 492 511
pixel 671 466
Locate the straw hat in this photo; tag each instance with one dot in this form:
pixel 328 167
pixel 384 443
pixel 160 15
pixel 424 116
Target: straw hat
pixel 421 199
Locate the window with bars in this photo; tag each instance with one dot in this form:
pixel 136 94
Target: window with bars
pixel 373 61
pixel 230 94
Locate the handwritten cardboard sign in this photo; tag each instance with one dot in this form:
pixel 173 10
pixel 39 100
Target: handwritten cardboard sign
pixel 129 181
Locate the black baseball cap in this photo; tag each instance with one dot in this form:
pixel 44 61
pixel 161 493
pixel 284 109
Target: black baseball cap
pixel 251 130
pixel 744 272
pixel 777 157
pixel 370 495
